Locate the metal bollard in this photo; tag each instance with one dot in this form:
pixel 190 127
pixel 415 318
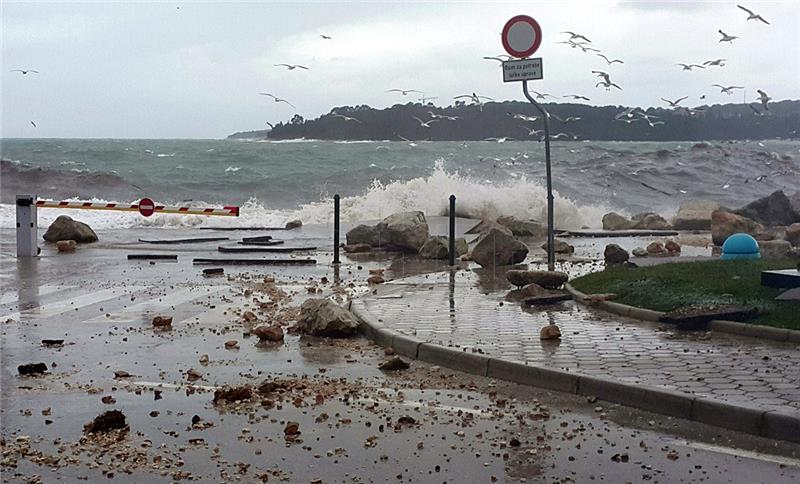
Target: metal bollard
pixel 451 252
pixel 336 229
pixel 27 233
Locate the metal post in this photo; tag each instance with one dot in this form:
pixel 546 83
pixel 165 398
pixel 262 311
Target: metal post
pixel 451 252
pixel 551 257
pixel 27 226
pixel 336 229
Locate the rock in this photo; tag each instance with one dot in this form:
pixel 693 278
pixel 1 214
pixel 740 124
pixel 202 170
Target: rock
pixel 497 248
pixel 293 224
pixel 615 221
pixel 694 215
pixel 485 226
pixel 697 316
pixel 364 234
pixel 375 279
pixel 32 369
pixel 545 279
pixel 356 248
pixel 561 247
pixel 595 298
pixel 121 374
pixel 203 359
pixel 406 231
pixel 233 394
pixel 249 316
pixel 549 332
pixel 52 342
pixel 775 209
pixel 64 228
pixel 614 254
pixel 672 246
pixel 656 248
pixel 268 332
pixel 724 224
pixel 105 422
pixel 232 345
pixel 66 245
pixel 462 247
pixel 193 375
pixel 291 430
pixel 522 228
pixel 162 322
pixel 794 200
pixel 649 221
pixel 531 290
pixel 774 249
pixel 436 247
pixel 639 252
pixel 323 317
pixel 793 234
pixel 394 364
pixel 550 298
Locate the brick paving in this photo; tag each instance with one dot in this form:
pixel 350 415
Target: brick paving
pixel 467 309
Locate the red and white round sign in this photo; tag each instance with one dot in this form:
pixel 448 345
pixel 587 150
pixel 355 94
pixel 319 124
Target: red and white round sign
pixel 147 207
pixel 522 36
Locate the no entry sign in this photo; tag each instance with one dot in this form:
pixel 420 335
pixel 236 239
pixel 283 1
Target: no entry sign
pixel 522 36
pixel 147 207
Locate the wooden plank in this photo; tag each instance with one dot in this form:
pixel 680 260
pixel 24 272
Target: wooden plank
pixel 621 233
pixel 255 262
pixel 253 248
pixel 196 240
pixel 268 242
pixel 152 257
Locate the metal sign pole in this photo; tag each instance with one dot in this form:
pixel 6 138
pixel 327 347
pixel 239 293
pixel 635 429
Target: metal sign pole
pixel 551 258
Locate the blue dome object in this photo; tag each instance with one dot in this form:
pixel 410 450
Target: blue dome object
pixel 740 246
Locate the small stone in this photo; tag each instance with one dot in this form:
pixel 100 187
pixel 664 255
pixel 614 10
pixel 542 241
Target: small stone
pixel 672 246
pixel 291 430
pixel 550 332
pixel 121 374
pixel 231 344
pixel 269 332
pixel 376 279
pixel 656 248
pixel 66 245
pixel 204 359
pixel 105 422
pixel 108 400
pixel 32 369
pixel 193 375
pixel 394 364
pixel 249 316
pixel 162 322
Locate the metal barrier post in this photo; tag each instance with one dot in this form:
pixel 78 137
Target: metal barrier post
pixel 336 229
pixel 27 229
pixel 451 252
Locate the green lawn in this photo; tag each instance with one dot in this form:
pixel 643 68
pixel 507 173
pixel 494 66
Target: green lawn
pixel 665 287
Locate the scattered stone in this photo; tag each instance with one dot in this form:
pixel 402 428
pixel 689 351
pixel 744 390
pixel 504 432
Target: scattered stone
pixel 793 234
pixel 549 332
pixel 775 209
pixel 694 215
pixel 121 374
pixel 106 422
pixel 204 359
pixel 233 394
pixel 265 332
pixel 724 224
pixel 649 221
pixel 514 442
pixel 375 279
pixel 66 245
pixel 672 246
pixel 162 322
pixel 546 279
pixel 656 248
pixel 774 249
pixel 406 231
pixel 388 351
pixel 293 224
pixel 291 430
pixel 497 248
pixel 108 400
pixel 64 228
pixel 614 254
pixel 522 228
pixel 232 345
pixel 249 316
pixel 52 342
pixel 560 247
pixel 193 375
pixel 394 364
pixel 530 290
pixel 615 221
pixel 32 369
pixel 639 252
pixel 357 248
pixel 323 317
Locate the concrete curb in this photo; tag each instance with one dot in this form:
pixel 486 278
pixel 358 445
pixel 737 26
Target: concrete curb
pixel 719 326
pixel 769 424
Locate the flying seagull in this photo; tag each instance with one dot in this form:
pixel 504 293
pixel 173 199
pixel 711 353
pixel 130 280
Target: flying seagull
pixel 346 118
pixel 602 74
pixel 425 124
pixel 675 103
pixel 532 131
pixel 763 98
pixel 726 37
pixel 652 124
pixel 277 99
pixel 291 67
pixel 563 135
pixel 410 143
pixel 498 58
pixel 33 124
pixel 475 99
pixel 688 67
pixel 326 37
pixel 543 95
pixel 567 119
pixel 608 85
pixel 499 140
pixel 752 15
pixel 609 61
pixel 716 62
pixel 576 96
pixel 442 116
pixel 25 71
pixel 529 119
pixel 405 91
pixel 727 90
pixel 573 36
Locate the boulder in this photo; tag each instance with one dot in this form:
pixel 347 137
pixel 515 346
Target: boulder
pixel 266 332
pixel 550 331
pixel 522 228
pixel 363 234
pixel 656 248
pixel 406 231
pixel 531 290
pixel 775 209
pixel 462 247
pixel 356 248
pixel 64 228
pixel 560 247
pixel 694 215
pixel 66 245
pixel 615 221
pixel 794 200
pixel 639 252
pixel 724 224
pixel 614 254
pixel 774 249
pixel 697 316
pixel 323 317
pixel 293 224
pixel 436 247
pixel 545 279
pixel 793 234
pixel 672 246
pixel 650 221
pixel 496 248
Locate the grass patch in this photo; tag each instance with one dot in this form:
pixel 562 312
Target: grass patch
pixel 665 287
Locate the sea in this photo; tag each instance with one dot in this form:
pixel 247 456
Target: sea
pixel 277 181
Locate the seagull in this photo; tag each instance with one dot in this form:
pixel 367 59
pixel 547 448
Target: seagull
pixel 425 124
pixel 674 104
pixel 764 98
pixel 726 37
pixel 587 49
pixel 602 74
pixel 727 90
pixel 609 61
pixel 652 124
pixel 567 119
pixel 563 135
pixel 716 62
pixel 405 91
pixel 530 119
pixel 688 67
pixel 423 99
pixel 498 58
pixel 573 35
pixel 33 124
pixel 607 85
pixel 627 120
pixel 543 95
pixel 277 99
pixel 532 131
pixel 755 110
pixel 25 71
pixel 572 44
pixel 291 67
pixel 499 140
pixel 628 113
pixel 346 118
pixel 752 15
pixel 410 143
pixel 475 99
pixel 576 96
pixel 326 37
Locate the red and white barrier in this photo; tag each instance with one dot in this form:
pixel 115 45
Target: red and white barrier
pixel 146 207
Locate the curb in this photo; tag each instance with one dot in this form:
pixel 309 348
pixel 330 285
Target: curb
pixel 769 424
pixel 717 325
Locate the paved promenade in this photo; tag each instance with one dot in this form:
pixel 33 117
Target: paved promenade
pixel 467 309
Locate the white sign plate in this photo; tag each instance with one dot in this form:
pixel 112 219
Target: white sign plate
pixel 522 70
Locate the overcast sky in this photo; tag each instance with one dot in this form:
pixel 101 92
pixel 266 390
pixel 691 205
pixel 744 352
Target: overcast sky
pixel 194 70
